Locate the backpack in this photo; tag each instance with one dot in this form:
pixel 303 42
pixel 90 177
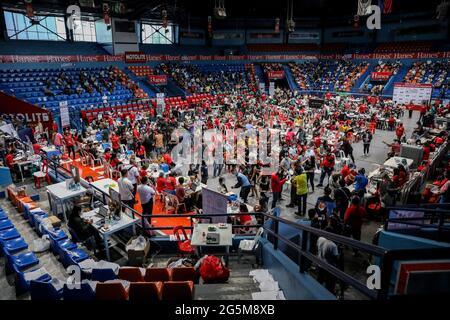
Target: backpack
pixel 212 269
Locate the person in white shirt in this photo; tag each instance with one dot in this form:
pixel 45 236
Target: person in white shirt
pixel 146 194
pixel 133 175
pixel 126 189
pixel 327 250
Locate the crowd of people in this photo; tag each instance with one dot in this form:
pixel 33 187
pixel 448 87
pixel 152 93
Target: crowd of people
pixel 327 75
pixel 194 80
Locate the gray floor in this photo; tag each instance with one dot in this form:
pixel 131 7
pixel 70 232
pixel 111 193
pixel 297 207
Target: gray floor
pixel 240 285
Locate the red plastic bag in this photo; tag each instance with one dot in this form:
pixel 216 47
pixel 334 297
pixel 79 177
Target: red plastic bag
pixel 212 269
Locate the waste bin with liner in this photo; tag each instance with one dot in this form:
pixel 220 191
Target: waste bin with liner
pixel 137 250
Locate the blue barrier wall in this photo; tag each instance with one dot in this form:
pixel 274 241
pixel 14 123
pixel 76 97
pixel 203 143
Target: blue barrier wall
pixel 295 285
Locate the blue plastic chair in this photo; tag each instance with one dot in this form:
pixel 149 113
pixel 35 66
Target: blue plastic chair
pixel 64 245
pixel 6 224
pixel 44 291
pixel 32 216
pixel 57 235
pixel 3 216
pixel 73 257
pixel 21 261
pixel 15 245
pixel 103 275
pixel 84 293
pixel 22 285
pixel 9 234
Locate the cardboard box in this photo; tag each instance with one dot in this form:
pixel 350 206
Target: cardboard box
pixel 54 220
pixel 137 257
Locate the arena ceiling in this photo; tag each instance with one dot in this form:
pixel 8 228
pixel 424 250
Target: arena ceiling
pixel 180 11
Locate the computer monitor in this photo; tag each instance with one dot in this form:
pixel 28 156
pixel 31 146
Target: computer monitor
pixel 103 211
pixel 115 196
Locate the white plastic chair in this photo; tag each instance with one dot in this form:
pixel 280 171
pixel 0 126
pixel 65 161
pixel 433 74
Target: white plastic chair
pixel 249 246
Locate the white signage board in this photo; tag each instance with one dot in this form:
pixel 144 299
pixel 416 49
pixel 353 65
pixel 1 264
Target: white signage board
pixel 406 93
pixel 64 112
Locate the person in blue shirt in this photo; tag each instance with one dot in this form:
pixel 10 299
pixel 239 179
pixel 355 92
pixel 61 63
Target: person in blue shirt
pixel 361 182
pixel 244 183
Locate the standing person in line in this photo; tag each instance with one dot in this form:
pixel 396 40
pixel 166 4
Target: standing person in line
pixel 348 149
pixel 126 189
pixel 353 219
pixel 328 251
pixel 400 131
pixel 58 140
pixel 276 181
pixel 244 184
pixel 367 139
pixel 204 172
pixel 70 143
pixel 301 181
pixel 133 175
pixel 310 166
pixel 146 193
pixel 159 143
pixel 327 166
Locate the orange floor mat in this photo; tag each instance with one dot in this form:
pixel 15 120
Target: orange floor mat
pixel 158 207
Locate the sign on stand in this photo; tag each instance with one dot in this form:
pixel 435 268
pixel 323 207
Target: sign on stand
pixel 64 112
pixel 271 89
pixel 160 103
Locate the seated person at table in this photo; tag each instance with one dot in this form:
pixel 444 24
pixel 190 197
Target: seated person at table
pixel 160 182
pixel 193 171
pixel 222 188
pixel 83 228
pixel 107 155
pixel 143 171
pixel 244 219
pixel 170 184
pixel 9 161
pixel 115 162
pixel 92 150
pixel 180 193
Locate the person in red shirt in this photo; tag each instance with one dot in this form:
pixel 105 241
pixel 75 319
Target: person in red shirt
pixel 160 182
pixel 115 142
pixel 168 159
pixel 391 123
pixel 107 155
pixel 170 184
pixel 426 151
pixel 345 171
pixel 70 143
pixel 276 182
pixel 143 171
pixel 140 151
pixel 400 131
pixel 36 148
pixel 353 218
pixel 9 160
pixel 114 162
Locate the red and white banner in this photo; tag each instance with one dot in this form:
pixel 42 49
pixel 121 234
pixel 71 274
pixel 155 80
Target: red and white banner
pixel 158 79
pixel 275 75
pixel 380 76
pixel 135 57
pixel 23 111
pixel 140 57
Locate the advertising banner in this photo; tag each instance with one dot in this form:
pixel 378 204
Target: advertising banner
pixel 157 79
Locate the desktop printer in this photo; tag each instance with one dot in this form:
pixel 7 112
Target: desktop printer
pixel 212 238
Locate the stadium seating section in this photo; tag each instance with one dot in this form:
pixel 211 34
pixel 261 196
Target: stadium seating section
pixel 328 75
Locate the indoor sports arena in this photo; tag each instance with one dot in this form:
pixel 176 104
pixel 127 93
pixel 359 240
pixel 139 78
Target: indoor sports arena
pixel 224 150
